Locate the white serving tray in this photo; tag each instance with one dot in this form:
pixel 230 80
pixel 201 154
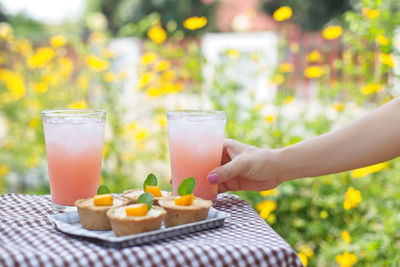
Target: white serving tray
pixel 68 223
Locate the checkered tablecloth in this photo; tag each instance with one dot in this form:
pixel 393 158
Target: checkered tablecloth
pixel 28 238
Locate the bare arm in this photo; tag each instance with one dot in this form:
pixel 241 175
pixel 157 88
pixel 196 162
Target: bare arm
pixel 370 139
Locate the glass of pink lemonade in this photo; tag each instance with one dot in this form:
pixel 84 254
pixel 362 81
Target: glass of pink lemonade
pixel 74 147
pixel 196 141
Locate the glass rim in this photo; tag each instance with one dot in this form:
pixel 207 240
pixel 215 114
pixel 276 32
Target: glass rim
pixel 196 113
pixel 74 112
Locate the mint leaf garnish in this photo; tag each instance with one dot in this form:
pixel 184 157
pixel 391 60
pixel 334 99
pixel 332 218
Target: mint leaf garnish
pixel 187 186
pixel 150 180
pixel 103 189
pixel 146 198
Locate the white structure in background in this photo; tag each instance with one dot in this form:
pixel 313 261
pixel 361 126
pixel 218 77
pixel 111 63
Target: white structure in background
pixel 128 52
pixel 396 46
pixel 252 76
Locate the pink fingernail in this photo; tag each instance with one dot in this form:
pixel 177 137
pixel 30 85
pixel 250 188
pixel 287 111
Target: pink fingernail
pixel 213 178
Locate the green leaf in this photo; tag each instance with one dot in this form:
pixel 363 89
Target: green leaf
pixel 187 186
pixel 150 180
pixel 146 198
pixel 103 189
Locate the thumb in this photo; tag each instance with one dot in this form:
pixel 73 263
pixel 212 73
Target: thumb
pixel 230 170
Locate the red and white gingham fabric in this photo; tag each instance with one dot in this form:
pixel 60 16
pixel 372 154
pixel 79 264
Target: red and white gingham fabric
pixel 28 238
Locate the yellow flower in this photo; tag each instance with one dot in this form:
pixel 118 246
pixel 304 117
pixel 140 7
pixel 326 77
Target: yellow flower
pixel 40 87
pixel 306 250
pixel 6 31
pixel 194 23
pixel 110 77
pixel 154 92
pixel 352 198
pixel 332 32
pixel 272 192
pixel 51 79
pixel 42 56
pixel 371 13
pixel 108 53
pixel 23 46
pixel 97 37
pixel 382 40
pixel 371 88
pixel 286 67
pixel 265 208
pixel 277 79
pixel 66 66
pixel 313 56
pixel 145 79
pixel 82 104
pixel 270 118
pixel 95 63
pixel 168 75
pixel 361 172
pixel 346 259
pixel 313 72
pixel 303 258
pixel 271 219
pixel 255 57
pixel 323 214
pixel 148 58
pixel 338 106
pixel 387 59
pixel 15 83
pixel 288 100
pixel 233 53
pixel 58 40
pixel 294 47
pixel 32 161
pixel 4 170
pixel 283 13
pixel 157 34
pixel 33 123
pixel 161 120
pixel 163 65
pixel 141 135
pixel 346 237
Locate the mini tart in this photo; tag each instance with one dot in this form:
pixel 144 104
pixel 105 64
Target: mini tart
pixel 95 217
pixel 177 215
pixel 128 225
pixel 133 195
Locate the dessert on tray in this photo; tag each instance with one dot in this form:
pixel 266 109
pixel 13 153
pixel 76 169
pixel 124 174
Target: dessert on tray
pixel 149 186
pixel 136 218
pixel 93 211
pixel 185 208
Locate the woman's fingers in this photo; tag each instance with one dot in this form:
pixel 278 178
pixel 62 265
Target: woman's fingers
pixel 236 167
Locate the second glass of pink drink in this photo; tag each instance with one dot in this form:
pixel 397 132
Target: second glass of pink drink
pixel 74 148
pixel 195 143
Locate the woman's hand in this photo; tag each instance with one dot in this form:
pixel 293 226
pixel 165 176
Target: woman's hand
pixel 246 167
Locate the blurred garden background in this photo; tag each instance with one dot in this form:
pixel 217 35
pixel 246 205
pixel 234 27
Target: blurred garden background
pixel 283 70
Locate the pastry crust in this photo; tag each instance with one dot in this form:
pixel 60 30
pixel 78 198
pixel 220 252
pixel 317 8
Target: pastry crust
pixel 178 215
pixel 95 217
pixel 129 225
pixel 133 194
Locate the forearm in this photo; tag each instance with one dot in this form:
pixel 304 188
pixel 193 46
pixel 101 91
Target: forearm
pixel 371 139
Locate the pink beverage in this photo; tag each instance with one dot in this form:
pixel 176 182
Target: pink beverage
pixel 74 147
pixel 195 143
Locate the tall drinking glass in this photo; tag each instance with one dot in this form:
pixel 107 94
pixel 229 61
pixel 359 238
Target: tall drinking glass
pixel 74 147
pixel 196 140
